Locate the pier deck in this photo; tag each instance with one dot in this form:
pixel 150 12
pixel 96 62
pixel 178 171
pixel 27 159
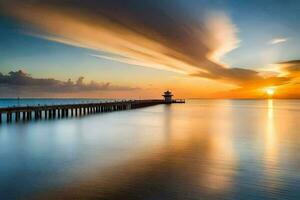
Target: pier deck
pixel 27 113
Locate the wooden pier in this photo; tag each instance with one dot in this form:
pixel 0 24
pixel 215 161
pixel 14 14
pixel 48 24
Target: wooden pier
pixel 28 113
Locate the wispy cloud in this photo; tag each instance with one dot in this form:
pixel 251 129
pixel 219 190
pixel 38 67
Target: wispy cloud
pixel 278 40
pixel 291 68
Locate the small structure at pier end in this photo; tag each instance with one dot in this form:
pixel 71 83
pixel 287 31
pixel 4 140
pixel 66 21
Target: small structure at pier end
pixel 168 96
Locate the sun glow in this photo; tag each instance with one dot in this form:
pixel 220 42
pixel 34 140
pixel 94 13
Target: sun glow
pixel 270 91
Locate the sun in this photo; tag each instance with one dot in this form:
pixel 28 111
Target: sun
pixel 270 91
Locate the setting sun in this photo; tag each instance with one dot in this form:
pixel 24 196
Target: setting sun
pixel 270 91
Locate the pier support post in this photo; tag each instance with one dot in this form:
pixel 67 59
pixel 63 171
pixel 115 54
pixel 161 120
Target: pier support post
pixel 40 114
pixel 28 115
pixel 23 115
pixel 17 116
pixel 8 117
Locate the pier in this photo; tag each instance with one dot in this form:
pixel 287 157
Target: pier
pixel 28 113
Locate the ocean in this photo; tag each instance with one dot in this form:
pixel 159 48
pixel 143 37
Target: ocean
pixel 203 149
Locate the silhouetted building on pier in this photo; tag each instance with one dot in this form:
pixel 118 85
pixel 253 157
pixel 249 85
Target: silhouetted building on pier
pixel 168 96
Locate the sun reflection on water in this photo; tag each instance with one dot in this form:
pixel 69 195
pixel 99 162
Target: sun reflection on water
pixel 271 139
pixel 271 149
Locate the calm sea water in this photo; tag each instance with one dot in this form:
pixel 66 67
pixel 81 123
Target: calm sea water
pixel 36 102
pixel 206 149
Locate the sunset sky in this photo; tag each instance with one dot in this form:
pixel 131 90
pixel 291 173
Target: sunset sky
pixel 139 48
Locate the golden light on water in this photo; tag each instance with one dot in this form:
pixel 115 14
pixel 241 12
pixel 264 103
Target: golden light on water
pixel 271 147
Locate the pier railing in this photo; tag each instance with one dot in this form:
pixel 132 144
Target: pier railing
pixel 27 113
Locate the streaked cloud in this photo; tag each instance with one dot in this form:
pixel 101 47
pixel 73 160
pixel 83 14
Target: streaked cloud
pixel 144 33
pixel 278 40
pixel 291 68
pixel 291 65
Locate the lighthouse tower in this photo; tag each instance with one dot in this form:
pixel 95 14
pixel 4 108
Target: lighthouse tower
pixel 168 96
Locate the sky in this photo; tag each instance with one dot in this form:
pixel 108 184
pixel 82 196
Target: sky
pixel 140 48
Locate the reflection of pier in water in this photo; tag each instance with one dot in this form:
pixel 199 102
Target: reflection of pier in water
pixel 28 113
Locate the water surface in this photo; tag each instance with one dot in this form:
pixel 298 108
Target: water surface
pixel 204 149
